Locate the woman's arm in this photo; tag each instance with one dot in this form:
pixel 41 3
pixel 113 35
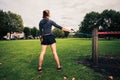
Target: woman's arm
pixel 68 30
pixel 60 27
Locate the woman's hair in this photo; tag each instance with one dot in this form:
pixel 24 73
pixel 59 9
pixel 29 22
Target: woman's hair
pixel 46 13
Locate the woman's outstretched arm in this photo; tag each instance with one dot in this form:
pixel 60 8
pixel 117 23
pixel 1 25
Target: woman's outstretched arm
pixel 65 29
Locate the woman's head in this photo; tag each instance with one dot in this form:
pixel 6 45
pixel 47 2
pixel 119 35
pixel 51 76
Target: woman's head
pixel 46 13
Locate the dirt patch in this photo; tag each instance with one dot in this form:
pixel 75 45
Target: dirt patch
pixel 107 65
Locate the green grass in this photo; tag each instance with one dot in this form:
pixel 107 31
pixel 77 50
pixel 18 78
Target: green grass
pixel 19 59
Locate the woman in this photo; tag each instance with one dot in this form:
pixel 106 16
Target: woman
pixel 47 38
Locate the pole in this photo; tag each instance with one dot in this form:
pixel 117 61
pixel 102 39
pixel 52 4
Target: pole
pixel 95 46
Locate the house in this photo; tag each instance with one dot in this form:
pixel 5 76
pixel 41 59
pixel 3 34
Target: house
pixel 15 35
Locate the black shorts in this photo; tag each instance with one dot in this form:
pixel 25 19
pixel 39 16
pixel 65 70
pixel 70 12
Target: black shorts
pixel 48 39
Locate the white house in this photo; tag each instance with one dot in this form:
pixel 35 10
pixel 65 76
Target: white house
pixel 15 35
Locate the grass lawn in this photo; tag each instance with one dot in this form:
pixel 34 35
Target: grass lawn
pixel 19 59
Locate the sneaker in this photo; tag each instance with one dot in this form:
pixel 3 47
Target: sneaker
pixel 40 70
pixel 59 69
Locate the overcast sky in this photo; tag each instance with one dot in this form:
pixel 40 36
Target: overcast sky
pixel 68 13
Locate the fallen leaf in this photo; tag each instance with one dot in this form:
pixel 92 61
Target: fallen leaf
pixel 65 78
pixel 73 78
pixel 0 63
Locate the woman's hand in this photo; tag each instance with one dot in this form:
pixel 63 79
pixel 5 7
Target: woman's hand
pixel 41 39
pixel 68 30
pixel 71 30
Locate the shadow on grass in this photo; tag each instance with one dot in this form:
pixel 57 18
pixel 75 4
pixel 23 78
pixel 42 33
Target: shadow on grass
pixel 108 66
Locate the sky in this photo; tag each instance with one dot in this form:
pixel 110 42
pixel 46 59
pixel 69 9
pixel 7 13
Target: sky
pixel 67 13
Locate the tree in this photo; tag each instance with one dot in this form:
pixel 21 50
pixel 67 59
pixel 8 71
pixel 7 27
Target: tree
pixel 58 33
pixel 10 22
pixel 15 22
pixel 34 32
pixel 27 31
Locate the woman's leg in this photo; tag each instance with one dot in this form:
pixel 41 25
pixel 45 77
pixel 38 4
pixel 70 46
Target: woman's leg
pixel 53 48
pixel 42 56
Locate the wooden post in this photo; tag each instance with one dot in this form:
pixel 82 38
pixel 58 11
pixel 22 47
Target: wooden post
pixel 95 46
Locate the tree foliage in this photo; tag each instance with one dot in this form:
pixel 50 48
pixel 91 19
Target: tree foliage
pixel 10 22
pixel 66 34
pixel 34 32
pixel 31 32
pixel 58 33
pixel 3 23
pixel 15 22
pixel 89 22
pixel 108 20
pixel 27 32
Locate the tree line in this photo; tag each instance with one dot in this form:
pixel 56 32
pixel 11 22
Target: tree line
pixel 107 21
pixel 31 33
